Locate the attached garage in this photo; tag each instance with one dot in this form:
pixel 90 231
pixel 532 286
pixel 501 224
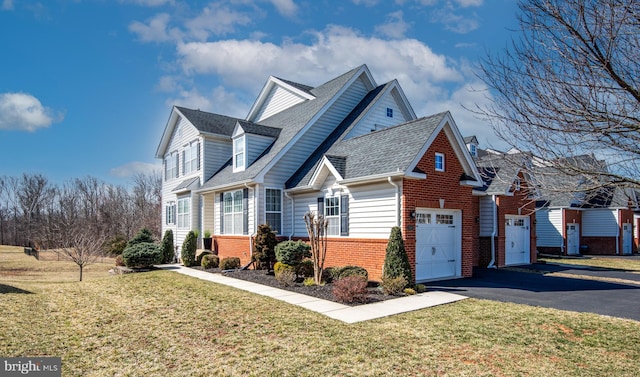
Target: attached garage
pixel 517 240
pixel 438 244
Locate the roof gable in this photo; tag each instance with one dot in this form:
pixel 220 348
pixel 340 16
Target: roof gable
pixel 278 95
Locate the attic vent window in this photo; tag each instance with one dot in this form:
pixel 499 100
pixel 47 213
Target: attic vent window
pixel 389 112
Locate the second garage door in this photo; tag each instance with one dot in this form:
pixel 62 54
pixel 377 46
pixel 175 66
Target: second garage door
pixel 438 244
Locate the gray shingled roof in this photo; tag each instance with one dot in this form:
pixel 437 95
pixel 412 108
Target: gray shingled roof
pixel 209 122
pixel 386 151
pixel 304 88
pixel 187 184
pixel 258 129
pixel 291 121
pixel 498 172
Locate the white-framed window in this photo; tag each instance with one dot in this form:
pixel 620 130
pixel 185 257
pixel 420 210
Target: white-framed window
pixel 239 156
pixel 171 166
pixel 332 214
pixel 170 213
pixel 273 209
pixel 389 112
pixel 232 212
pixel 190 157
pixel 184 213
pixel 473 149
pixel 439 162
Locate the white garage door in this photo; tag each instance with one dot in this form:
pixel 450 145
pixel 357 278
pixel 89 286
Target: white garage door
pixel 517 240
pixel 438 244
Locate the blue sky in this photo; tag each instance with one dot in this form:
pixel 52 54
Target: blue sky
pixel 87 85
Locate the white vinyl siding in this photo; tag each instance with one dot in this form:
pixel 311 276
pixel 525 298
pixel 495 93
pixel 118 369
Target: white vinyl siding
pixel 600 223
pixel 314 136
pixel 549 226
pixel 255 146
pixel 486 216
pixel 376 118
pixel 278 99
pixel 216 153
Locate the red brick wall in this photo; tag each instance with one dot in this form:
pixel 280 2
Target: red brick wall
pixel 366 253
pixel 233 246
pixel 600 245
pixel 441 185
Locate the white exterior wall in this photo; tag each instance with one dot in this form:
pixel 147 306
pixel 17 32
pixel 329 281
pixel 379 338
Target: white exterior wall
pixel 486 216
pixel 315 135
pixel 278 99
pixel 215 153
pixel 549 228
pixel 377 117
pixel 598 222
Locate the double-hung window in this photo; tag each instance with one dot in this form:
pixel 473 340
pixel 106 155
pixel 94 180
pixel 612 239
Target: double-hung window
pixel 439 162
pixel 184 211
pixel 191 157
pixel 273 209
pixel 238 154
pixel 170 213
pixel 233 219
pixel 171 166
pixel 336 211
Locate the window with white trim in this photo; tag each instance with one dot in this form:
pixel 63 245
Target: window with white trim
pixel 233 212
pixel 190 157
pixel 473 149
pixel 439 162
pixel 184 213
pixel 332 215
pixel 170 213
pixel 273 209
pixel 239 154
pixel 171 166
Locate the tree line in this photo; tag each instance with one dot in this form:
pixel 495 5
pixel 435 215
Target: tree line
pixel 37 212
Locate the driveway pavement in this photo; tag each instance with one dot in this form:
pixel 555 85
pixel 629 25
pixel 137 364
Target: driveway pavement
pixel 574 294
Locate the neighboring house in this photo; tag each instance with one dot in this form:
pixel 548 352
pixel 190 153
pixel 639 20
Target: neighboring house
pixel 349 149
pixel 507 215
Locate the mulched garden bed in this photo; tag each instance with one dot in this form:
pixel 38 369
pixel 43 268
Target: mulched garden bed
pixel 320 291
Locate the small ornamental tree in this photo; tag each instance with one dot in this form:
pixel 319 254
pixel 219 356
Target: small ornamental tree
pixel 264 247
pixel 396 261
pixel 143 236
pixel 317 229
pixel 189 247
pixel 167 247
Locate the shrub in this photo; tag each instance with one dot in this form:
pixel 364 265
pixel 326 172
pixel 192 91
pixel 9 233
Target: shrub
pixel 328 273
pixel 189 247
pixel 200 256
pixel 309 282
pixel 280 267
pixel 293 252
pixel 286 277
pixel 264 246
pixel 393 286
pixel 119 260
pixel 305 268
pixel 343 272
pixel 350 289
pixel 396 261
pixel 409 291
pixel 421 288
pixel 116 245
pixel 168 253
pixel 210 261
pixel 230 263
pixel 142 255
pixel 143 236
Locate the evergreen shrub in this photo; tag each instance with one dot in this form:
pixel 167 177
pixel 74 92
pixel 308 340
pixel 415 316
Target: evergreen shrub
pixel 142 255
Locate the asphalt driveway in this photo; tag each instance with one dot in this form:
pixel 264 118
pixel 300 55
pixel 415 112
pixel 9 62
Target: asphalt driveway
pixel 530 288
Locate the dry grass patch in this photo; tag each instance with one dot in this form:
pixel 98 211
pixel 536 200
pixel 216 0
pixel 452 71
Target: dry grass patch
pixel 162 323
pixel 615 263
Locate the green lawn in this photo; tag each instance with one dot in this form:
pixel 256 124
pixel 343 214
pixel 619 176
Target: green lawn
pixel 163 324
pixel 616 263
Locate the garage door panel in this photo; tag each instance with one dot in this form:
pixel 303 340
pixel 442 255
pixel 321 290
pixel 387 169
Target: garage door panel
pixel 517 235
pixel 438 240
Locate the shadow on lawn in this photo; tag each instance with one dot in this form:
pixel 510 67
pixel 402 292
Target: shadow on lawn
pixel 10 289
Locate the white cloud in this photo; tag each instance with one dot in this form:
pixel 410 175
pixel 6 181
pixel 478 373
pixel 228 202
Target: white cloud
pixel 455 20
pixel 132 168
pixel 395 27
pixel 285 7
pixel 7 5
pixel 148 3
pixel 367 3
pixel 215 19
pixel 156 29
pixel 219 100
pixel 21 111
pixel 469 3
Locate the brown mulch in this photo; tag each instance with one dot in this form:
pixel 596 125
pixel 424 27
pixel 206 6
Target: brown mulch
pixel 324 292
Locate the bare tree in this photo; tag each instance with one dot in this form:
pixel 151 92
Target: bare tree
pixel 147 197
pixel 567 88
pixel 317 229
pixel 82 246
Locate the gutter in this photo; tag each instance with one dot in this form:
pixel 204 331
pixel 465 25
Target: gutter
pixel 254 222
pixel 397 199
pixel 493 233
pixel 293 227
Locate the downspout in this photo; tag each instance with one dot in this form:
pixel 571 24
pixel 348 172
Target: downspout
pixel 254 222
pixel 397 200
pixel 494 232
pixel 618 234
pixel 293 226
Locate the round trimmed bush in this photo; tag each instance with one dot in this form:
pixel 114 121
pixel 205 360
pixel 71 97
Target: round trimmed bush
pixel 210 261
pixel 201 255
pixel 230 263
pixel 167 247
pixel 188 252
pixel 346 271
pixel 292 252
pixel 142 255
pixel 305 268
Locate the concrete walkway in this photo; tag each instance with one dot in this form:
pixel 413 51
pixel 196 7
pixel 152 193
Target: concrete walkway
pixel 344 313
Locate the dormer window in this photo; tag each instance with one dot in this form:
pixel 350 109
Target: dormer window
pixel 239 154
pixel 473 150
